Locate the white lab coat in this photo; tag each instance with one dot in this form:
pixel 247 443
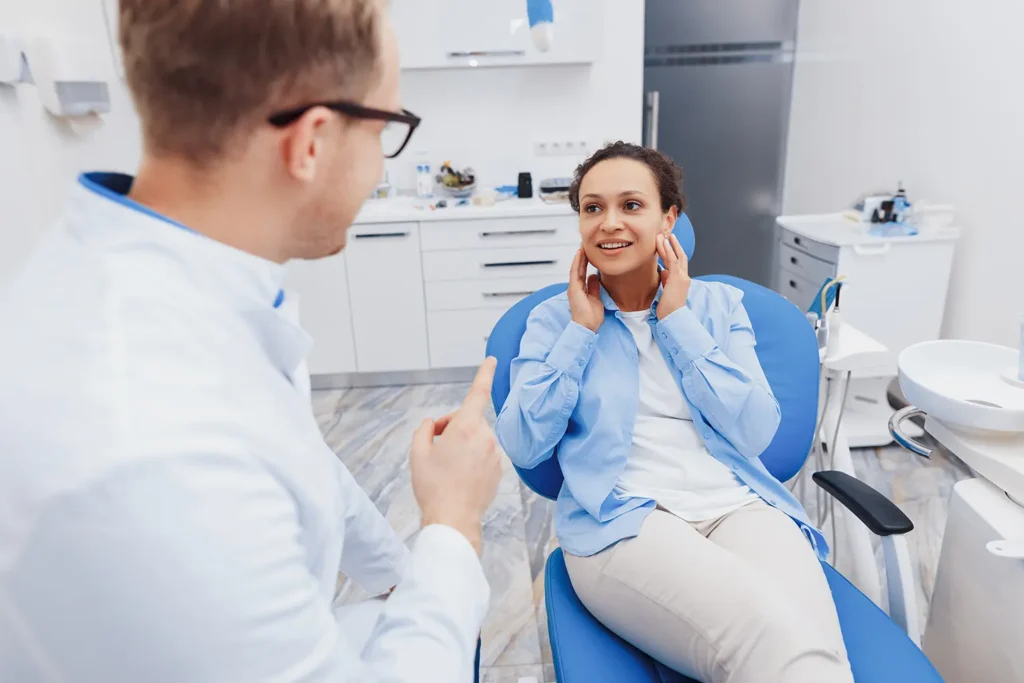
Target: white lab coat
pixel 168 508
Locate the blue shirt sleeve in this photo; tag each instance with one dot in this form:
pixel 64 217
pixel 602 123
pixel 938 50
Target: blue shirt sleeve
pixel 727 386
pixel 546 379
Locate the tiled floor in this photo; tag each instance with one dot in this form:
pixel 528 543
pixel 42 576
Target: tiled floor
pixel 370 430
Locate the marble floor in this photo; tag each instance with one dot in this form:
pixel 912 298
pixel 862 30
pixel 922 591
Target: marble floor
pixel 370 431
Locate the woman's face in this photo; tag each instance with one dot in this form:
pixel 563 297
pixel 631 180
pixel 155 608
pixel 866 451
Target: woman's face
pixel 620 216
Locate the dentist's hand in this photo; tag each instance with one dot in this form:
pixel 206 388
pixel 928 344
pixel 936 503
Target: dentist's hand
pixel 455 465
pixel 585 294
pixel 675 276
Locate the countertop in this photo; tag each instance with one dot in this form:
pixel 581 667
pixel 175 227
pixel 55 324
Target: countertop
pixel 407 209
pixel 837 229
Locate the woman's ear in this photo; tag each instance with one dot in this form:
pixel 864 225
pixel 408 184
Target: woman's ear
pixel 670 220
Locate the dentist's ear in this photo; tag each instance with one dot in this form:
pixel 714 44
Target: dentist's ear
pixel 303 143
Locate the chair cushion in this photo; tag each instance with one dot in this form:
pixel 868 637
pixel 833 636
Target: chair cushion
pixel 586 652
pixel 880 652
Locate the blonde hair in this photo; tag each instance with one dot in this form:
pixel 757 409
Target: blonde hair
pixel 205 73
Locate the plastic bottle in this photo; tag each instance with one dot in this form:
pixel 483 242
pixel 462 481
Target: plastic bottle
pixel 424 182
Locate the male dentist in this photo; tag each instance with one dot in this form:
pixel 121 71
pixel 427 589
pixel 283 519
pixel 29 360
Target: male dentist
pixel 168 508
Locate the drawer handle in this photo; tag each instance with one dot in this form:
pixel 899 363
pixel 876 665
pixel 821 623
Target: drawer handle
pixel 869 250
pixel 509 233
pixel 497 295
pixel 792 283
pixel 796 240
pixel 380 235
pixel 487 53
pixel 517 264
pixel 792 259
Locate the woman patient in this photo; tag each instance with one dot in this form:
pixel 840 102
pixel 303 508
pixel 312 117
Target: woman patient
pixel 675 535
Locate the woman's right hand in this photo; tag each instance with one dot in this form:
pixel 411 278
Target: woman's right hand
pixel 585 294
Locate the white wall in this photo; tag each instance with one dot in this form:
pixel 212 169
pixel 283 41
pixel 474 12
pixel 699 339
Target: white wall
pixel 929 92
pixel 486 118
pixel 490 118
pixel 39 155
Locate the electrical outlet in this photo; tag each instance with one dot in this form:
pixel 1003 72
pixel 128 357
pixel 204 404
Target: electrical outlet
pixel 561 147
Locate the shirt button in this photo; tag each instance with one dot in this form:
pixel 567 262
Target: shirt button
pixel 581 364
pixel 732 467
pixel 664 336
pixel 675 351
pixel 707 435
pixel 773 501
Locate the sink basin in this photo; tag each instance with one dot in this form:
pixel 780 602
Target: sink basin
pixel 961 383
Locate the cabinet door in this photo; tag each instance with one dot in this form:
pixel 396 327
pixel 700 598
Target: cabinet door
pixel 324 312
pixel 388 310
pixel 416 25
pixel 471 33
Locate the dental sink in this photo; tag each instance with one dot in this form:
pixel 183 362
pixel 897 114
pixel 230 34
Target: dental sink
pixel 964 384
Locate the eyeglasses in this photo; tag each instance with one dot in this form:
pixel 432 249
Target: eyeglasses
pixel 393 139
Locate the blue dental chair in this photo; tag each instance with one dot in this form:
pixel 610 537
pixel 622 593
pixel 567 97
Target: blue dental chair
pixel 584 651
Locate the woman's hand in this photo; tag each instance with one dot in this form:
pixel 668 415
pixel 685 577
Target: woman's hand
pixel 585 294
pixel 675 276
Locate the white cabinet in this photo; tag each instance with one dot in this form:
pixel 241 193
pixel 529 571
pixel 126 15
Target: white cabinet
pixel 321 287
pixel 386 280
pixel 435 34
pixel 895 288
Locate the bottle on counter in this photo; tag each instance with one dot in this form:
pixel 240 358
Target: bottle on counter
pixel 424 177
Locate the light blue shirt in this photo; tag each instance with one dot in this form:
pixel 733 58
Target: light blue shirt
pixel 578 391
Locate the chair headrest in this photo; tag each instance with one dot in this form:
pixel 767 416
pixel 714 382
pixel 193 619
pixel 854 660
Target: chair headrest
pixel 683 230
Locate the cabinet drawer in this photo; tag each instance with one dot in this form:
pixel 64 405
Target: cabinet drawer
pixel 808 267
pixel 475 264
pixel 825 252
pixel 459 338
pixel 500 232
pixel 498 293
pixel 797 289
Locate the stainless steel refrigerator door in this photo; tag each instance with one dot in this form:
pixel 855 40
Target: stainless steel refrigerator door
pixel 724 121
pixel 705 22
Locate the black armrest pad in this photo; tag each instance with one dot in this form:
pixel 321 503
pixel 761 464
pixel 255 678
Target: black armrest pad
pixel 877 512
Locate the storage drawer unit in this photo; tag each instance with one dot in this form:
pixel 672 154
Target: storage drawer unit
pixel 491 293
pixel 487 233
pixel 475 264
pixel 459 338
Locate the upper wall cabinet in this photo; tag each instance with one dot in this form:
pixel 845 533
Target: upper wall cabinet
pixel 445 34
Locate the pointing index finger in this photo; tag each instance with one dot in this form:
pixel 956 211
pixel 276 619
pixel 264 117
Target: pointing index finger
pixel 480 392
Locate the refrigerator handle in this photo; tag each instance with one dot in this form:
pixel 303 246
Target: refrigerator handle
pixel 652 110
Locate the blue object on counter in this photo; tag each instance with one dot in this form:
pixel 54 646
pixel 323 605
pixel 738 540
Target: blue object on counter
pixel 892 230
pixel 507 189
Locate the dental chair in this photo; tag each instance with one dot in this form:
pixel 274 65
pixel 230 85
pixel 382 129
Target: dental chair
pixel 584 651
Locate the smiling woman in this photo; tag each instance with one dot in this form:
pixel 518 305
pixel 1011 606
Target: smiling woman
pixel 646 382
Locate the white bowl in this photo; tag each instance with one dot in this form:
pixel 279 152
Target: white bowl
pixel 961 383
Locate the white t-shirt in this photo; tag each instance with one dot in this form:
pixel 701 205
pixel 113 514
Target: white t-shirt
pixel 667 461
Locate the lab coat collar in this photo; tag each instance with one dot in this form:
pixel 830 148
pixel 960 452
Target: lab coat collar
pixel 101 200
pixel 102 213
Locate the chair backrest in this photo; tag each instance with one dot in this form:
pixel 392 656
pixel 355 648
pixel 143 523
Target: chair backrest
pixel 786 348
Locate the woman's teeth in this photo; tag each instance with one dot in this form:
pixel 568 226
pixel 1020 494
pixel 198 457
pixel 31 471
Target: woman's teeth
pixel 613 245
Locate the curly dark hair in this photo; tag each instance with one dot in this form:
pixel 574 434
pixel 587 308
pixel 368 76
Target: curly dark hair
pixel 667 173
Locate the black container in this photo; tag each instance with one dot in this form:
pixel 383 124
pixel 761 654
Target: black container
pixel 525 186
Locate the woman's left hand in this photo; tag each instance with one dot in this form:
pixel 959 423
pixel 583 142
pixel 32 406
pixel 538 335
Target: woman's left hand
pixel 675 276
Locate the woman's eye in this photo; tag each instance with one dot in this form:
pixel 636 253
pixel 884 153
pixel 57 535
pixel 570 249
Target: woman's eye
pixel 592 208
pixel 632 205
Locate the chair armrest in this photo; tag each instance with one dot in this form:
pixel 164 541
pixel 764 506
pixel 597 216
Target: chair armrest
pixel 878 513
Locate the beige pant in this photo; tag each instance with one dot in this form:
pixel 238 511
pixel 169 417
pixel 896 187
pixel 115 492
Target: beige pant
pixel 741 598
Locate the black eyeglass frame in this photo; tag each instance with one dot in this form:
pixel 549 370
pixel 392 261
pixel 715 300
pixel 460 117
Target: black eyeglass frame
pixel 290 116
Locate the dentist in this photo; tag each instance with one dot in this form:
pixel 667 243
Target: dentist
pixel 168 508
